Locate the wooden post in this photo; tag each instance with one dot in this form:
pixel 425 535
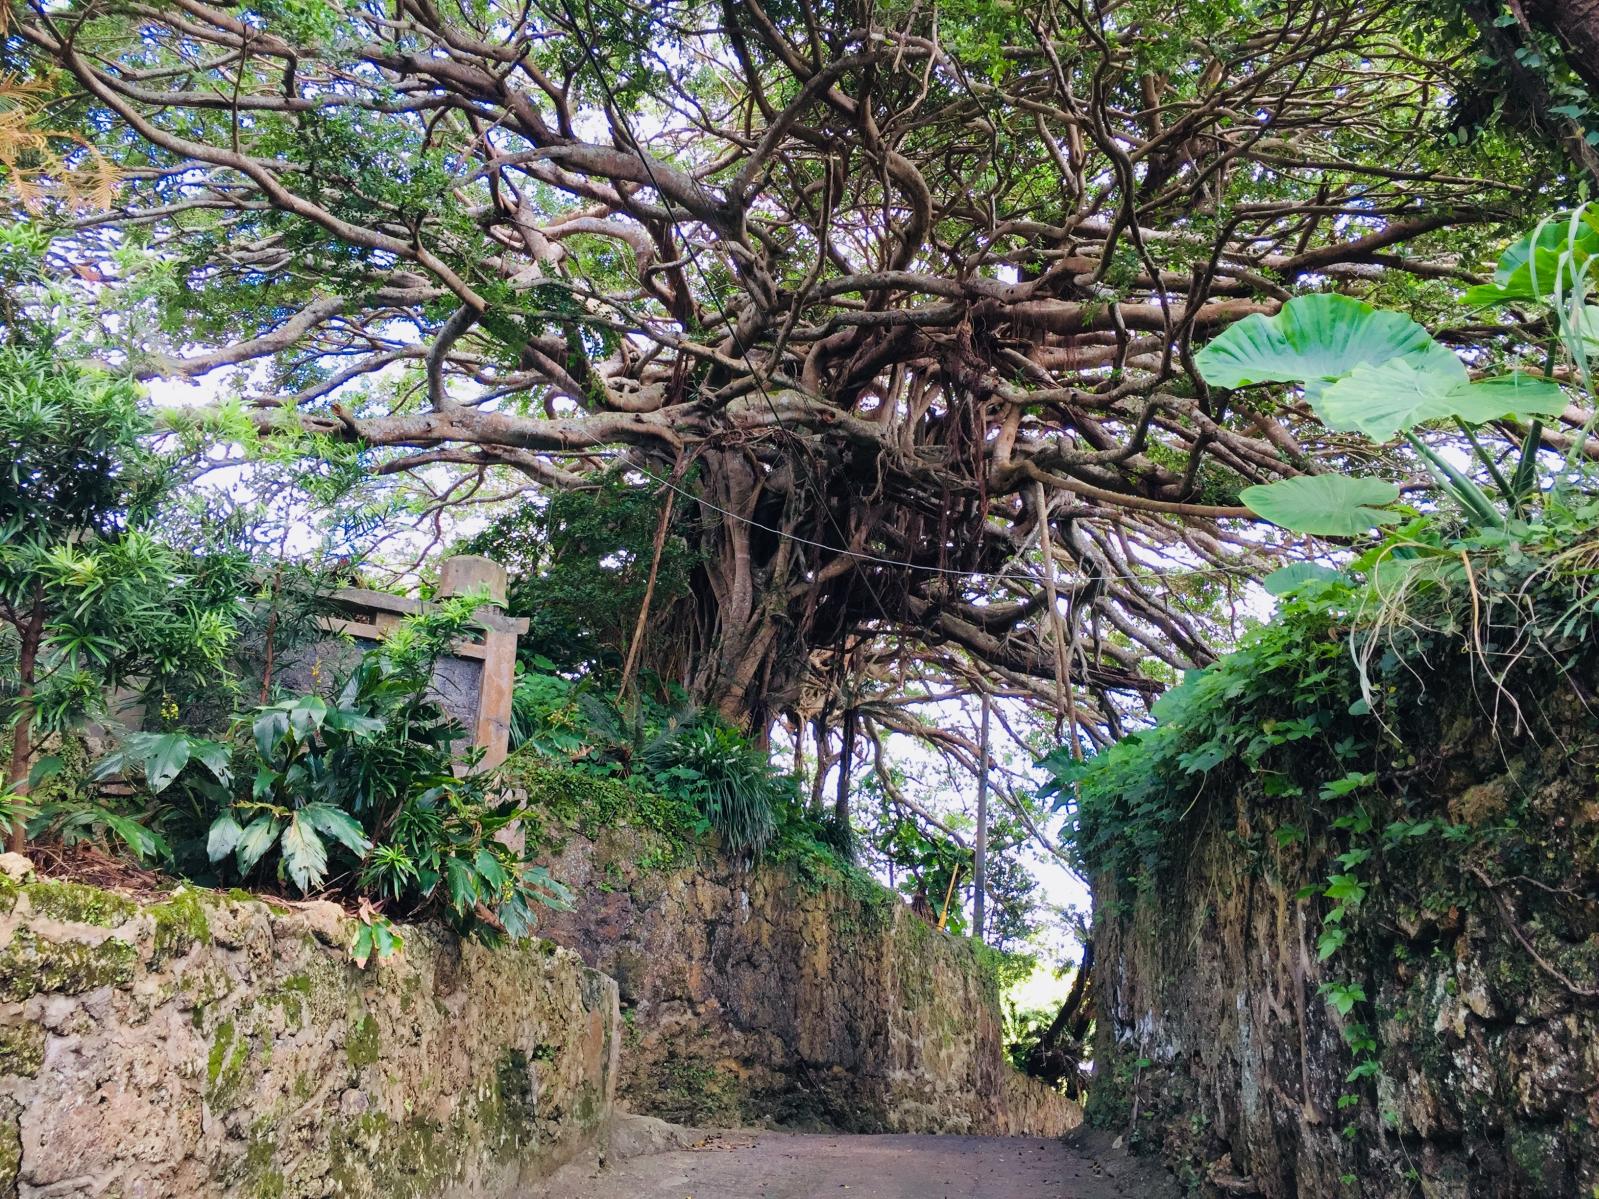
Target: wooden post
pixel 463 575
pixel 980 846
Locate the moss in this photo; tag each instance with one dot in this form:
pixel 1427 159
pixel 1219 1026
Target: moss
pixel 374 1156
pixel 364 1043
pixel 180 924
pixel 32 965
pixel 588 1107
pixel 21 1049
pixel 262 1179
pixel 224 1068
pixel 293 995
pixel 10 1148
pixel 8 892
pixel 693 1091
pixel 514 1103
pixel 76 903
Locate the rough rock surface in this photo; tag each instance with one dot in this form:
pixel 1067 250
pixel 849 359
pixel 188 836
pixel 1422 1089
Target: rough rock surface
pixel 1215 1046
pixel 205 1047
pixel 749 997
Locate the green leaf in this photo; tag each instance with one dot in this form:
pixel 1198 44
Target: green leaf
pixel 215 757
pixel 1394 397
pixel 1287 579
pixel 349 721
pixel 223 838
pixel 256 839
pixel 462 884
pixel 1533 264
pixel 1345 888
pixel 305 858
pixel 46 767
pixel 339 825
pixel 164 757
pixel 1314 340
pixel 1330 942
pixel 1327 505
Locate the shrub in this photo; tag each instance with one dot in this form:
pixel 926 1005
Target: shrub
pixel 360 796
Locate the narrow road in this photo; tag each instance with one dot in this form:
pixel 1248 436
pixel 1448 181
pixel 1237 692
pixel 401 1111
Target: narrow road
pixel 794 1166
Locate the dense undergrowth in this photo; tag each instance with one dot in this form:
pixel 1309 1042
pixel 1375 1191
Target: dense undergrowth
pixel 1341 722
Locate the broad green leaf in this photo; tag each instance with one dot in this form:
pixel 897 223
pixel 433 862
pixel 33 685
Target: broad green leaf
pixel 256 839
pixel 1327 505
pixel 164 757
pixel 339 825
pixel 145 843
pixel 215 757
pixel 462 883
pixel 1586 323
pixel 305 858
pixel 223 838
pixel 1295 575
pixel 346 720
pixel 1384 400
pixel 1315 340
pixel 1529 271
pixel 46 767
pixel 306 714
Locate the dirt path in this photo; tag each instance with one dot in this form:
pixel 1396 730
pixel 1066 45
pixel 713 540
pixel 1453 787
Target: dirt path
pixel 792 1166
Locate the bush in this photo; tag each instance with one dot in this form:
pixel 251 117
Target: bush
pixel 360 796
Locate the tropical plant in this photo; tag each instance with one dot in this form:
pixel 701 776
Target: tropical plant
pixel 91 594
pixel 365 794
pixel 732 781
pixel 1380 374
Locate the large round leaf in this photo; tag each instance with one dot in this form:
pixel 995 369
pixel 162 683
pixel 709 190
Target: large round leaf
pixel 1532 267
pixel 1381 401
pixel 1314 340
pixel 1328 505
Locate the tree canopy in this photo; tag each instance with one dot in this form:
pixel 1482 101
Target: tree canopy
pixel 897 304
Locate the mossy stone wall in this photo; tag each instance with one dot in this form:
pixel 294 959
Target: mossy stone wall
pixel 1480 968
pixel 762 996
pixel 209 1047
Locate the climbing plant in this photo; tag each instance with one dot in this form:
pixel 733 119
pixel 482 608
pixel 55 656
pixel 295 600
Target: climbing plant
pixel 1317 711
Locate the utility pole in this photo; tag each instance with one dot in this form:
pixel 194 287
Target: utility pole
pixel 980 850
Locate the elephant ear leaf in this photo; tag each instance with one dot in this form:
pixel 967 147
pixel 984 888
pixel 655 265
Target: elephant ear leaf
pixel 1326 505
pixel 1537 265
pixel 1315 340
pixel 1395 396
pixel 1285 580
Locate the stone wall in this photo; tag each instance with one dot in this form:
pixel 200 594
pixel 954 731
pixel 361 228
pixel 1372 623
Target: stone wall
pixel 206 1047
pixel 751 997
pixel 1216 1047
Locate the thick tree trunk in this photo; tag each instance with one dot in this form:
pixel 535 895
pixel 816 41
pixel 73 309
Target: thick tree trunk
pixel 1576 24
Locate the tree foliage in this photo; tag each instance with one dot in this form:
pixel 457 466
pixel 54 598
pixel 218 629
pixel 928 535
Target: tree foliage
pixel 882 292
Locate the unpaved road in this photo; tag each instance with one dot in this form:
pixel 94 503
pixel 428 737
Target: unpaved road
pixel 797 1166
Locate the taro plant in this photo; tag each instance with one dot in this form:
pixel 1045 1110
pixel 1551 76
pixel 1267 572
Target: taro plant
pixel 1379 373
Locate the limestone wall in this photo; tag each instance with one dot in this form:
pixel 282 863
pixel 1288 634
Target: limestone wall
pixel 206 1047
pixel 1216 1046
pixel 750 997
